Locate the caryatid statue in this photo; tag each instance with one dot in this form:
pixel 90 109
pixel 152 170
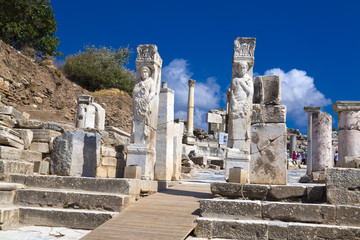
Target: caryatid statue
pixel 141 151
pixel 241 95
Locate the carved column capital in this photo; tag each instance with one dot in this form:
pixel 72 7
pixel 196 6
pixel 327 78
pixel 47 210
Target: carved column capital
pixel 191 83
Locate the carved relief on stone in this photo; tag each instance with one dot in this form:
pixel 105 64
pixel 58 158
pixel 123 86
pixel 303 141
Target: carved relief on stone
pixel 242 90
pixel 143 94
pixel 244 49
pixel 149 54
pixel 191 83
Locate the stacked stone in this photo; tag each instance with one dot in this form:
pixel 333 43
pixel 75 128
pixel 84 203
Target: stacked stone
pixel 268 140
pixel 15 158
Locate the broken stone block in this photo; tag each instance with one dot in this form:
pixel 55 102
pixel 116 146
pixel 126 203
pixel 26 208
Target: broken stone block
pixel 230 209
pixel 237 175
pixel 268 154
pixel 40 147
pixel 272 90
pixel 11 138
pixel 286 192
pixel 352 161
pixel 26 135
pixel 29 124
pixel 267 90
pixel 108 152
pixel 76 153
pixel 132 172
pixel 343 185
pixel 294 212
pixel 8 110
pixel 268 114
pixel 18 154
pixel 7 121
pixel 53 126
pixel 44 135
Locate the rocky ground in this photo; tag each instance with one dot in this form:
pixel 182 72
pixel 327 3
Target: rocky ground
pixel 43 91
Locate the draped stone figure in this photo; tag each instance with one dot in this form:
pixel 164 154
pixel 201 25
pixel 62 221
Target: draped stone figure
pixel 142 150
pixel 240 104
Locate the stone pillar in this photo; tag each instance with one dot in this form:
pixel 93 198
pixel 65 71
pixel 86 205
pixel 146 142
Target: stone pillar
pixel 165 135
pixel 142 149
pixel 190 138
pixel 178 135
pixel 240 105
pixel 310 110
pixel 322 157
pixel 348 131
pixel 292 144
pixel 268 163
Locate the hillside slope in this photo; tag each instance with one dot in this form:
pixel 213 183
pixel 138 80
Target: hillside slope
pixel 42 91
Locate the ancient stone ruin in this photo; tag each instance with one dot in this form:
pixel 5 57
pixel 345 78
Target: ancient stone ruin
pixel 81 174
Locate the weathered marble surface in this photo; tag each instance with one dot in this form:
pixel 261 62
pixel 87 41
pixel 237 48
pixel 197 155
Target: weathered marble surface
pixel 178 135
pixel 322 156
pixel 76 153
pixel 268 154
pixel 89 114
pixel 342 186
pixel 348 130
pixel 165 136
pixel 267 90
pixel 142 150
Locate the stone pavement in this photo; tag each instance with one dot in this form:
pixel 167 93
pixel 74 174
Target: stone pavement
pixel 43 233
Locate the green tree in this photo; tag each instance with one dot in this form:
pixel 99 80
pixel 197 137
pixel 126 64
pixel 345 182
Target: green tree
pixel 29 24
pixel 100 68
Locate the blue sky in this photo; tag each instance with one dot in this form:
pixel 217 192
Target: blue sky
pixel 314 45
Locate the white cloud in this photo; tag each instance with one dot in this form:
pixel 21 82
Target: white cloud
pixel 207 94
pixel 298 90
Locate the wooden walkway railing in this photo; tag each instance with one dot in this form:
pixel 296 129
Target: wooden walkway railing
pixel 164 215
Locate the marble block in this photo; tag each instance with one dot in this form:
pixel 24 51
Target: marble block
pixel 268 154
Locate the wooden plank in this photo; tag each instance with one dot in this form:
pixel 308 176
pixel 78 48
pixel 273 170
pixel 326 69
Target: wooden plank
pixel 165 215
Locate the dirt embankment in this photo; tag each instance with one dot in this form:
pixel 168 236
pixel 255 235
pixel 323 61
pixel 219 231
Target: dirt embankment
pixel 41 90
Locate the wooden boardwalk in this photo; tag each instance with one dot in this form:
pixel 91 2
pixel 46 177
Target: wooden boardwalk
pixel 164 215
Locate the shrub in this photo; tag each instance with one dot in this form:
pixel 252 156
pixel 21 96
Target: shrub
pixel 100 68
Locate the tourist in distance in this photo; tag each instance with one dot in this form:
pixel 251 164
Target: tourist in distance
pixel 336 158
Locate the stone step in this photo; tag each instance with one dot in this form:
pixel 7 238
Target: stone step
pixel 69 218
pixel 71 199
pixel 314 193
pixel 7 192
pixel 344 215
pixel 107 185
pixel 9 167
pixel 212 228
pixel 10 153
pixel 9 217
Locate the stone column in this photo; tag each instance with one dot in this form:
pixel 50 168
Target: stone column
pixel 348 131
pixel 190 138
pixel 142 149
pixel 321 141
pixel 310 110
pixel 178 135
pixel 165 135
pixel 240 105
pixel 292 144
